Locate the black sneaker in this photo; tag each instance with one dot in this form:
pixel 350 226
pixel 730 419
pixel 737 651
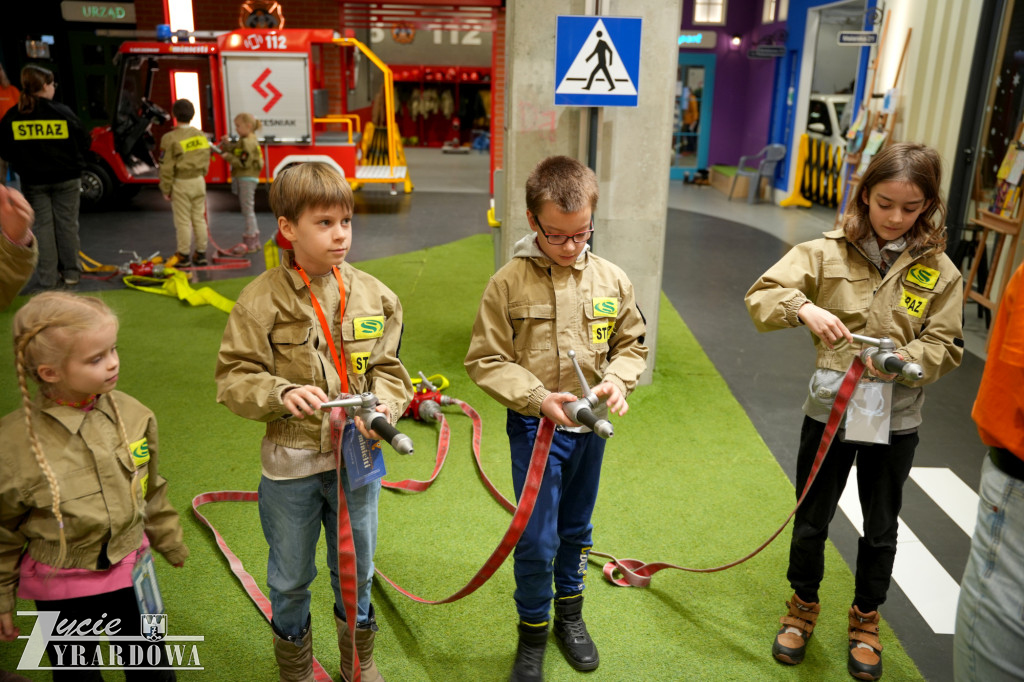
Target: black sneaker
pixel 571 634
pixel 179 260
pixel 198 258
pixel 529 665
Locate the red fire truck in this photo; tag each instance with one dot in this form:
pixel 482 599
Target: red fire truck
pixel 294 81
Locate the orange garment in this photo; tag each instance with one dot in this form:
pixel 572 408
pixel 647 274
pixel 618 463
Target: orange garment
pixel 999 408
pixel 690 112
pixel 8 98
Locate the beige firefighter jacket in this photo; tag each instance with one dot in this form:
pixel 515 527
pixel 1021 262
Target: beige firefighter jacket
pixel 16 266
pixel 245 157
pixel 184 154
pixel 273 341
pixel 917 304
pixel 534 311
pixel 101 485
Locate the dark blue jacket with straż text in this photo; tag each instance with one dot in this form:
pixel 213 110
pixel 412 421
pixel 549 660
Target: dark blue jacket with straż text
pixel 46 145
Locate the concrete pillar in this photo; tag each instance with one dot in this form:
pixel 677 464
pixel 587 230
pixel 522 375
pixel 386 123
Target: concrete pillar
pixel 634 143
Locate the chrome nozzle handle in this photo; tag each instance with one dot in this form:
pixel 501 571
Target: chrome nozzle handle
pixel 363 406
pixel 580 410
pixel 883 356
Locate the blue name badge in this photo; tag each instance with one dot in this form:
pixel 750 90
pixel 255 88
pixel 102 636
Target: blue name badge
pixel 363 458
pixel 147 591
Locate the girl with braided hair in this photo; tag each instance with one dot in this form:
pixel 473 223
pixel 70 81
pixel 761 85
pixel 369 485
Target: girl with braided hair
pixel 81 499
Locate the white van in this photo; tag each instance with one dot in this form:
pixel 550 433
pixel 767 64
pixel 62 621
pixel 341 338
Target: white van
pixel 828 117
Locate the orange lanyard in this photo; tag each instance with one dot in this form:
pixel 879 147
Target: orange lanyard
pixel 339 360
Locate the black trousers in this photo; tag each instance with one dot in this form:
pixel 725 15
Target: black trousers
pixel 881 472
pixel 119 604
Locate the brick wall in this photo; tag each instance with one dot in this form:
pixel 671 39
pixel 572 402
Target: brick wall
pixel 220 16
pixel 223 16
pixel 149 13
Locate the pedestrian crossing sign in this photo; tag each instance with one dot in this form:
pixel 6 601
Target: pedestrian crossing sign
pixel 597 61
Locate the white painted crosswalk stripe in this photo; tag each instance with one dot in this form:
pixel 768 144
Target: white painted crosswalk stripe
pixel 928 586
pixel 955 497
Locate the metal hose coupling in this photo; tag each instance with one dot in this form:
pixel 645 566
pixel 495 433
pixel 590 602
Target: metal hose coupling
pixel 883 357
pixel 580 410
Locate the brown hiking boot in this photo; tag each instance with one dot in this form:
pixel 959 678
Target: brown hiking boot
pixel 294 656
pixel 797 626
pixel 865 658
pixel 365 635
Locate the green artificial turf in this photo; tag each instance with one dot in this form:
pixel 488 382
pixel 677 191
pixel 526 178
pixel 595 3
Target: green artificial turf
pixel 686 480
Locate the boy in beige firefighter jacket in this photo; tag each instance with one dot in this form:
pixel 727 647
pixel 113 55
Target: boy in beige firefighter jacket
pixel 276 365
pixel 552 297
pixel 184 161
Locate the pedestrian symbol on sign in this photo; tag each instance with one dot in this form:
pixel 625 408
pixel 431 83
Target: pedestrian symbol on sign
pixel 597 61
pixel 599 52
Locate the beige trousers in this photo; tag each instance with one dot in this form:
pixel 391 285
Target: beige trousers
pixel 188 202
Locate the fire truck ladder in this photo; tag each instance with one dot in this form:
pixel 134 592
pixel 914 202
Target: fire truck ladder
pixel 382 159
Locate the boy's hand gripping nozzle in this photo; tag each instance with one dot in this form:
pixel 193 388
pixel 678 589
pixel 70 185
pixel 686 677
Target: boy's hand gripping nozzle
pixel 883 357
pixel 362 406
pixel 579 410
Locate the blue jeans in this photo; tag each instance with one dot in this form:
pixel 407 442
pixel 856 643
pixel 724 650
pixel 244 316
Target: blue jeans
pixel 989 642
pixel 291 513
pixel 56 229
pixel 557 540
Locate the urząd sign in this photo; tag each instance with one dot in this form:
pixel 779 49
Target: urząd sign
pixel 105 12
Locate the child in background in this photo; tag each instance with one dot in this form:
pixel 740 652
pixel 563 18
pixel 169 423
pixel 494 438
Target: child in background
pixel 81 498
pixel 884 273
pixel 246 161
pixel 47 146
pixel 552 297
pixel 184 161
pixel 278 359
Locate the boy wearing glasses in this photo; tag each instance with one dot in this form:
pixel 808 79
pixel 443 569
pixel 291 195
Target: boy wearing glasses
pixel 552 297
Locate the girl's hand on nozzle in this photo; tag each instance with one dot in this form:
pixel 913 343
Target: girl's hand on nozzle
pixel 881 375
pixel 369 433
pixel 613 397
pixel 303 401
pixel 8 633
pixel 824 324
pixel 551 407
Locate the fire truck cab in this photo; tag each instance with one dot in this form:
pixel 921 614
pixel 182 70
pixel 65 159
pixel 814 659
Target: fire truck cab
pixel 294 81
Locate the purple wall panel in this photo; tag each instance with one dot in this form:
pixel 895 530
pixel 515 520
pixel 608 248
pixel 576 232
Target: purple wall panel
pixel 743 86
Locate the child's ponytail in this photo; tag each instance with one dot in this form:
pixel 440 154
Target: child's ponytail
pixel 20 343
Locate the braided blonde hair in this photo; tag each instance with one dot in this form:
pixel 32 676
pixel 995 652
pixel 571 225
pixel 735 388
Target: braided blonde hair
pixel 44 332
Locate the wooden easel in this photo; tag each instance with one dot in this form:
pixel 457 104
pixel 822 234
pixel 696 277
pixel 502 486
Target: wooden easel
pixel 1004 228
